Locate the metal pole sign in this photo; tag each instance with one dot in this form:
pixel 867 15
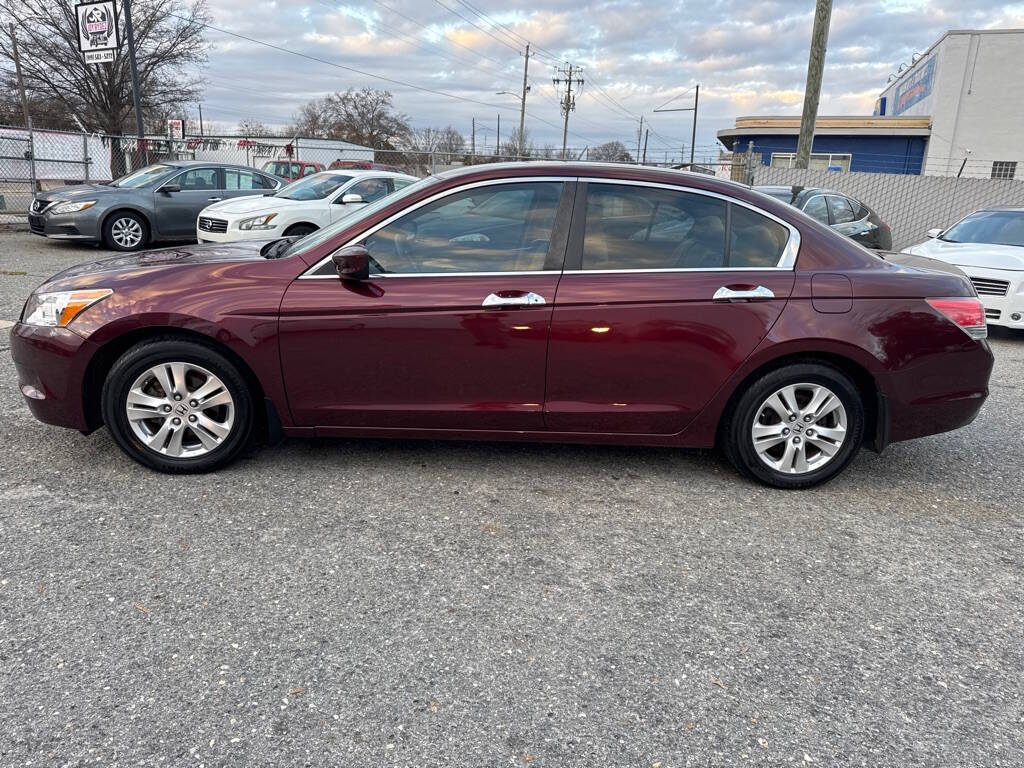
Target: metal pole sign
pixel 97 31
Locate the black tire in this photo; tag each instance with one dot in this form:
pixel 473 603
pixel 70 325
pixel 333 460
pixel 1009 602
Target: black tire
pixel 113 225
pixel 299 230
pixel 737 442
pixel 143 356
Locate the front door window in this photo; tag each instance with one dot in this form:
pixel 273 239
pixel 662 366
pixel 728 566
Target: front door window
pixel 494 228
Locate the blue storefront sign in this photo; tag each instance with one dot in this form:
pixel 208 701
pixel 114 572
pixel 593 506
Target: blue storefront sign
pixel 917 87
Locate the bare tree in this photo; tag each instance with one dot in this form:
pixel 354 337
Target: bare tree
pixel 510 148
pixel 252 127
pixel 364 117
pixel 611 152
pixel 169 43
pixel 314 120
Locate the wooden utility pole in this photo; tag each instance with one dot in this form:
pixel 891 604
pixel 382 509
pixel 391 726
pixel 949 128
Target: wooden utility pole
pixel 572 77
pixel 472 141
pixel 201 120
pixel 815 68
pixel 639 136
pixel 647 133
pixel 522 107
pixel 497 140
pixel 21 80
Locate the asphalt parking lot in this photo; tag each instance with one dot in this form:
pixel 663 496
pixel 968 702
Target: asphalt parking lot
pixel 369 603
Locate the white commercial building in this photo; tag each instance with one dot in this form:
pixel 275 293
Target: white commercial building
pixel 969 83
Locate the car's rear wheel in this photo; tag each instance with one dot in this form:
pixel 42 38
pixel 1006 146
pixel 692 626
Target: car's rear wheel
pixel 299 230
pixel 177 406
pixel 796 426
pixel 126 231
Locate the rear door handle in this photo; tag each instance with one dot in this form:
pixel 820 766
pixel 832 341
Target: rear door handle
pixel 734 292
pixel 214 199
pixel 513 299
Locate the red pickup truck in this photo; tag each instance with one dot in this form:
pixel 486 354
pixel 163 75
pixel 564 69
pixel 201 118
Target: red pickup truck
pixel 291 169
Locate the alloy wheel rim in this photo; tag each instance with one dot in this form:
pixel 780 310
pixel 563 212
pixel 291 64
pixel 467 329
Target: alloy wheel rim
pixel 126 232
pixel 799 428
pixel 180 410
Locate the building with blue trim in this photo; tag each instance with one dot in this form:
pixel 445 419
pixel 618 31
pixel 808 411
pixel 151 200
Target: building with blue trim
pixel 955 110
pixel 859 143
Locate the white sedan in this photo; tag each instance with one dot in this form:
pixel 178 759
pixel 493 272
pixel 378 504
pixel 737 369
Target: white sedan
pixel 302 207
pixel 988 245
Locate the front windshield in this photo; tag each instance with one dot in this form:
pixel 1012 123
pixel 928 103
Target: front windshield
pixel 992 227
pixel 143 176
pixel 314 239
pixel 315 187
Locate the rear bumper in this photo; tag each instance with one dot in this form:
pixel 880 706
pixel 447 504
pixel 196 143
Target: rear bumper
pixel 940 393
pixel 51 365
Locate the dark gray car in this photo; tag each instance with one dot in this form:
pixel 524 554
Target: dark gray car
pixel 158 202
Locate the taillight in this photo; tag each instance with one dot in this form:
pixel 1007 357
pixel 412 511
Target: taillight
pixel 968 313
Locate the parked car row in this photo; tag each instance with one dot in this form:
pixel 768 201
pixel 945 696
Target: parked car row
pixel 528 301
pixel 988 245
pixel 843 213
pixel 216 202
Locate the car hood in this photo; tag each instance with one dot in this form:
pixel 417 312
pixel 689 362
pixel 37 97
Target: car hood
pixel 246 250
pixel 80 191
pixel 981 255
pixel 258 204
pixel 919 262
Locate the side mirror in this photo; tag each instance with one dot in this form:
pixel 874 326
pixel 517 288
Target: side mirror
pixel 933 233
pixel 352 198
pixel 352 263
pixel 168 188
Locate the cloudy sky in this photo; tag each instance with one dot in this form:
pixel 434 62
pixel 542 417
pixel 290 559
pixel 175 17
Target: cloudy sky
pixel 749 58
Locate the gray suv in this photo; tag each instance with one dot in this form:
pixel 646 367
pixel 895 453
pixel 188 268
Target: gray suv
pixel 158 202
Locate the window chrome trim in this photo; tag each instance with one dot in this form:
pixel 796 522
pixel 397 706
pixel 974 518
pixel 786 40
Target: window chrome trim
pixel 786 262
pixel 309 274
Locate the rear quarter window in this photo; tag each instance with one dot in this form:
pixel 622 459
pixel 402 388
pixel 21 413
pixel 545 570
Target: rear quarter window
pixel 755 241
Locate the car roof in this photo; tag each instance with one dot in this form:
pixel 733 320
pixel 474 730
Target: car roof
pixel 357 172
pixel 203 164
pixel 624 171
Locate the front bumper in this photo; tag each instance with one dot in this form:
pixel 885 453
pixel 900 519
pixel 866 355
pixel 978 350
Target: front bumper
pixel 84 225
pixel 51 364
pixel 234 235
pixel 1002 293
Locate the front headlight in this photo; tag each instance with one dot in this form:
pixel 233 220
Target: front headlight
pixel 56 310
pixel 258 222
pixel 72 207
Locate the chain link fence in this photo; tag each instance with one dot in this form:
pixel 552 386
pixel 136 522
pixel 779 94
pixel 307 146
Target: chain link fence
pixel 910 205
pixel 38 160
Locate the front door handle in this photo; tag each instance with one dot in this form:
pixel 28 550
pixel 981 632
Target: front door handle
pixel 734 292
pixel 513 299
pixel 214 199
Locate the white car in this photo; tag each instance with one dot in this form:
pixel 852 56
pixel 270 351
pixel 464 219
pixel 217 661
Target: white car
pixel 988 245
pixel 302 207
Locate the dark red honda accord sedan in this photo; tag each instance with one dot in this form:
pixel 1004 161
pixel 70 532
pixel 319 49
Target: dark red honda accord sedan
pixel 532 301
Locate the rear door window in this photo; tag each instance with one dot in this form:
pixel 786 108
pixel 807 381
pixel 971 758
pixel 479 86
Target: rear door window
pixel 817 209
pixel 632 227
pixel 843 211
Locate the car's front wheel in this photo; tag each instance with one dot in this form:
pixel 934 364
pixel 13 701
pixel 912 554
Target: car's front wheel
pixel 796 426
pixel 177 406
pixel 126 231
pixel 299 230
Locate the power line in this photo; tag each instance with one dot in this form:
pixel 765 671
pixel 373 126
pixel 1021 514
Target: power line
pixel 424 46
pixel 423 26
pixel 470 21
pixel 513 36
pixel 372 75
